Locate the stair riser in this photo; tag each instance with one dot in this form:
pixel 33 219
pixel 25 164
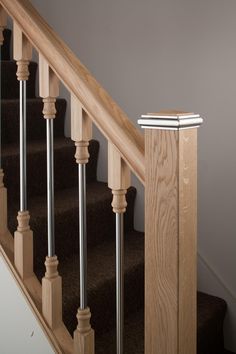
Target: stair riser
pixel 37 171
pixel 10 84
pixel 36 125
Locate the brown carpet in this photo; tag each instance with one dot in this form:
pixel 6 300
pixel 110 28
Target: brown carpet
pixel 101 226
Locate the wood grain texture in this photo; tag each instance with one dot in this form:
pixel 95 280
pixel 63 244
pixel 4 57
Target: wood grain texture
pixel 52 294
pixel 22 48
pixel 84 342
pixel 104 112
pixel 81 124
pixel 23 246
pixel 119 179
pixel 32 289
pixel 170 242
pixel 22 52
pixel 31 303
pixel 48 81
pixel 187 241
pixel 119 176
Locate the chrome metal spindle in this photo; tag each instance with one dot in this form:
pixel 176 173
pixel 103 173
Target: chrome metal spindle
pixel 50 189
pixel 0 108
pixel 82 235
pixel 119 282
pixel 23 173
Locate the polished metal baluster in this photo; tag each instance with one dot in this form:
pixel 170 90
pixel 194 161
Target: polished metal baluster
pixel 23 236
pixel 82 235
pixel 23 176
pixel 50 189
pixel 119 282
pixel 0 108
pixel 51 282
pixel 81 134
pixel 119 182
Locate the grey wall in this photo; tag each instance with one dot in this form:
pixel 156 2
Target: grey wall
pixel 21 331
pixel 159 54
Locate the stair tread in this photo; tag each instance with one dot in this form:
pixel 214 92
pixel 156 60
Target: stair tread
pixel 101 280
pixel 36 146
pixel 66 217
pixel 208 306
pixel 67 199
pixel 101 263
pixel 9 82
pixel 36 126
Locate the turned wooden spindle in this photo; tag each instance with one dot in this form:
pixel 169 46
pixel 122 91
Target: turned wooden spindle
pixel 81 130
pixel 84 334
pixel 23 237
pixel 118 179
pixel 81 134
pixel 52 282
pixel 22 51
pixel 3 24
pixel 52 293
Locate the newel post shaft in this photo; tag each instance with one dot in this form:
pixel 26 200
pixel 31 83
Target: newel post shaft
pixel 170 232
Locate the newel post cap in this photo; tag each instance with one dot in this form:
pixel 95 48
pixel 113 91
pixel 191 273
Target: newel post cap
pixel 170 120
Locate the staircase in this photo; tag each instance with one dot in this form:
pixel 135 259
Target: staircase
pixel 100 220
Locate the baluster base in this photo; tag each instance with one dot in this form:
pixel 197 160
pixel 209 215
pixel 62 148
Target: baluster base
pixel 52 294
pixel 3 205
pixel 23 246
pixel 84 334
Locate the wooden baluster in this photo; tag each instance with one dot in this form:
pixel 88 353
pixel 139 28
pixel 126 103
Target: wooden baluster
pixel 23 238
pixel 170 232
pixel 52 282
pixel 22 51
pixel 81 134
pixel 3 190
pixel 119 182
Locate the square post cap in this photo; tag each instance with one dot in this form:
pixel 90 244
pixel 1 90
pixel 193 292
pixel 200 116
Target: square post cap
pixel 170 120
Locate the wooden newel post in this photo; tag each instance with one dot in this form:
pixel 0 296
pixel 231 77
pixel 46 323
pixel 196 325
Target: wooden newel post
pixel 170 232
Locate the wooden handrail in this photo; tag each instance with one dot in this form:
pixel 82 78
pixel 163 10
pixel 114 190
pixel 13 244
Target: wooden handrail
pixel 102 109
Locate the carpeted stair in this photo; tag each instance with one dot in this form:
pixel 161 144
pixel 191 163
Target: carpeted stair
pixel 101 226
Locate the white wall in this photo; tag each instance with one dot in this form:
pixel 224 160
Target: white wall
pixel 20 331
pixel 159 54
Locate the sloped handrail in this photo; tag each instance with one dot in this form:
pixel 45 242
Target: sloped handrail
pixel 104 112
